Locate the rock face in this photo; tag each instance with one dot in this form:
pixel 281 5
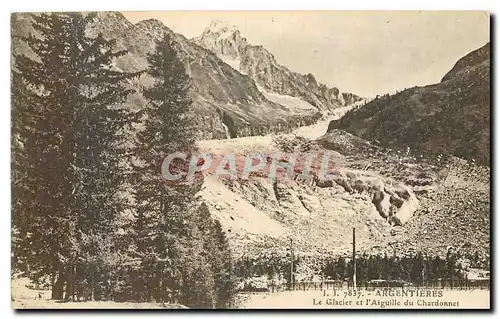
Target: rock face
pixel 259 213
pixel 255 61
pixel 434 118
pixel 442 200
pixel 225 100
pixel 394 202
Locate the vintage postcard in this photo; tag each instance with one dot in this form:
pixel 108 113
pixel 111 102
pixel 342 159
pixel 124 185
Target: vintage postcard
pixel 249 160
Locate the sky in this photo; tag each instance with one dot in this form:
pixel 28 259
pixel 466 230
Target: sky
pixel 363 52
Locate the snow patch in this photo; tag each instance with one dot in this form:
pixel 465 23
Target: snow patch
pixel 287 100
pixel 291 102
pixel 319 128
pixel 234 63
pixel 226 130
pixel 236 214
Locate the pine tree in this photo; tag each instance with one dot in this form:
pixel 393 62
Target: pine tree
pixel 97 136
pixel 184 254
pixel 40 122
pixel 162 210
pixel 68 129
pixel 341 267
pixel 217 252
pixel 23 205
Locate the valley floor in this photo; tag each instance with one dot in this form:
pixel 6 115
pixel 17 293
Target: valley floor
pixel 52 304
pixel 27 298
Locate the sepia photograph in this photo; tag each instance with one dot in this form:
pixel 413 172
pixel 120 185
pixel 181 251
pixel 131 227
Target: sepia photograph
pixel 250 160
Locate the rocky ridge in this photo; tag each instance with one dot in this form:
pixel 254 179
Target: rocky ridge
pixel 434 118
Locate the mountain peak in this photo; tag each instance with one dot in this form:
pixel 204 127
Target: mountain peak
pixel 220 27
pixel 109 23
pixel 154 27
pixel 223 39
pixel 151 24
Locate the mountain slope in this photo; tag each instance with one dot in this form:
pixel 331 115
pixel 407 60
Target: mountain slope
pixel 452 116
pixel 226 102
pixel 259 64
